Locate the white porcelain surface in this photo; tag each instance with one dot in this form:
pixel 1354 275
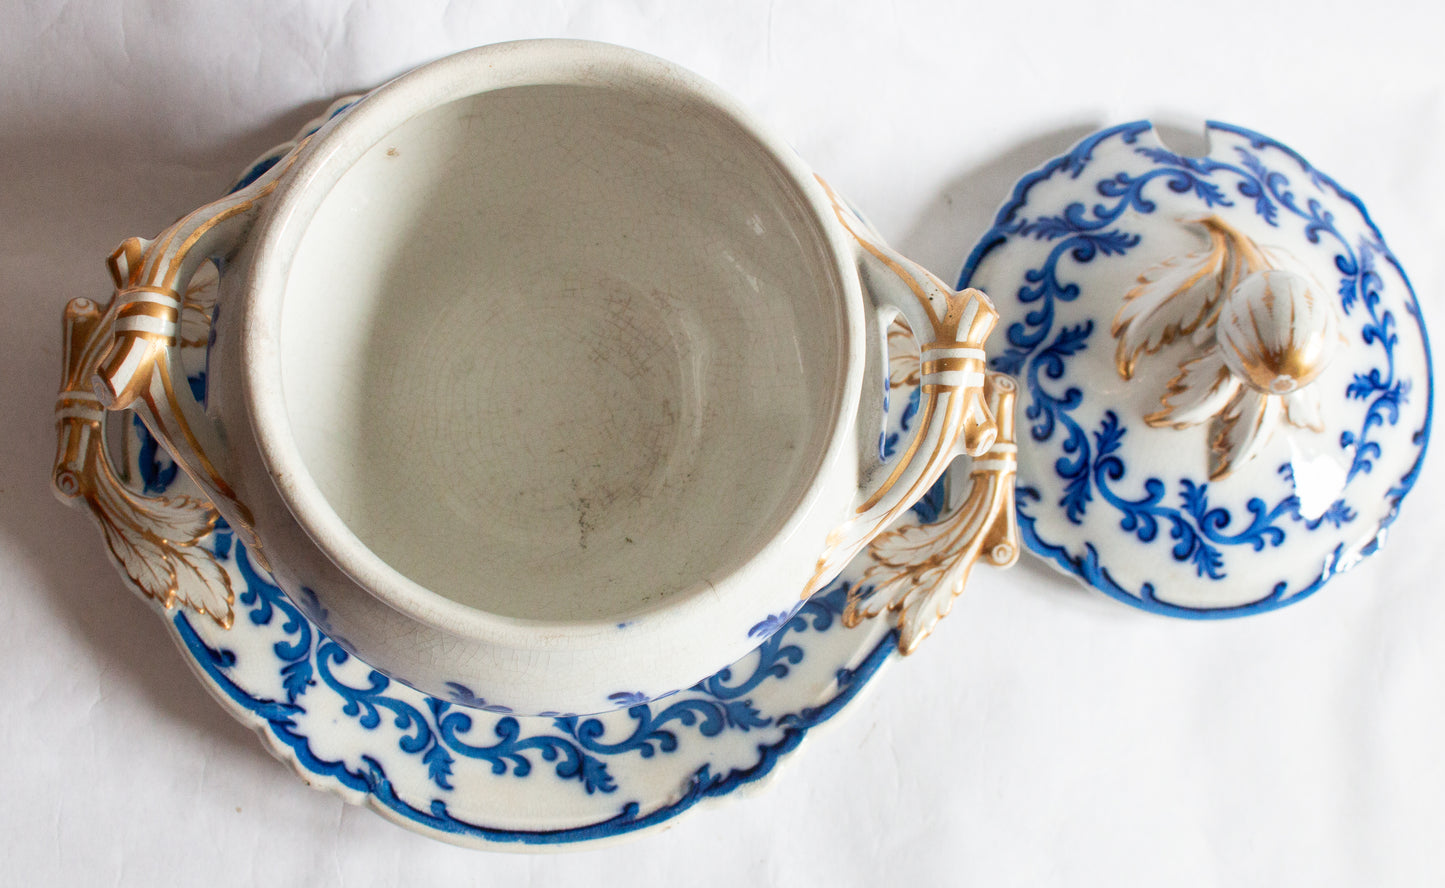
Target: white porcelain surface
pixel 545 372
pixel 570 340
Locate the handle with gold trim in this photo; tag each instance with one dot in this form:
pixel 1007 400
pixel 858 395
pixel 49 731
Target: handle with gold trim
pixel 157 541
pixel 953 418
pixel 919 570
pixel 139 367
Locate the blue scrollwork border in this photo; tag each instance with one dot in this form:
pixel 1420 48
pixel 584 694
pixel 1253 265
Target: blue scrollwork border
pixel 575 744
pixel 440 731
pixel 575 748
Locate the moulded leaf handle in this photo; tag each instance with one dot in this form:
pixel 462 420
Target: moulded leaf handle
pixel 919 570
pixel 954 416
pixel 155 540
pixel 138 363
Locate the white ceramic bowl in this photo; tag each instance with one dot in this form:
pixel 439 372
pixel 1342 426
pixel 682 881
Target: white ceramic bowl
pixel 544 372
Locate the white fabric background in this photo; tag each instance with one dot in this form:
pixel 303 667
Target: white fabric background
pixel 1045 736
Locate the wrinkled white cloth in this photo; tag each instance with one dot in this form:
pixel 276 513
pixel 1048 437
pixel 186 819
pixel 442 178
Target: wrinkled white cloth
pixel 1045 736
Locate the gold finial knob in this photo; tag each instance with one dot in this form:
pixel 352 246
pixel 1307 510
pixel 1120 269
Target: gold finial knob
pixel 1276 332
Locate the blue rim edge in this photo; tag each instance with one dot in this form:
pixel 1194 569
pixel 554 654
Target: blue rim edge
pixel 703 784
pixel 1086 565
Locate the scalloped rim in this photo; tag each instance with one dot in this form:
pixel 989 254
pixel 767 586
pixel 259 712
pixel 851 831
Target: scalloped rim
pixel 293 749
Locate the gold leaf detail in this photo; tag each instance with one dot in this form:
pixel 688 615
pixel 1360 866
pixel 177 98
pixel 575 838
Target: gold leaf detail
pixel 1202 389
pixel 1242 430
pixel 920 570
pixel 1177 296
pixel 905 362
pixel 1262 332
pixel 155 540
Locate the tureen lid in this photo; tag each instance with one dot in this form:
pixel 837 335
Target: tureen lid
pixel 1225 378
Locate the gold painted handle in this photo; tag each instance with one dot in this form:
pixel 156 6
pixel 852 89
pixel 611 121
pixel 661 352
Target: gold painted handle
pixel 150 280
pixel 954 417
pixel 156 541
pixel 919 570
pixel 139 363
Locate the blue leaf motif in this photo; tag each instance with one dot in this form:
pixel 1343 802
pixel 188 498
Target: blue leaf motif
pixel 764 628
pixel 1195 497
pixel 1365 384
pixel 1109 435
pixel 743 715
pixel 1076 498
pixel 439 766
pixel 1010 362
pixel 157 469
pixel 592 773
pixel 1210 194
pixel 1162 156
pixel 1069 342
pixel 1208 562
pixel 1252 163
pixel 464 695
pixel 296 678
pixel 930 505
pixel 1047 228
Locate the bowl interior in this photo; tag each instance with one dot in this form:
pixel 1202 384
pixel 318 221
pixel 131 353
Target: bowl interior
pixel 563 352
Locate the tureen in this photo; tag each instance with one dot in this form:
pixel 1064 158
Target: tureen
pixel 1222 378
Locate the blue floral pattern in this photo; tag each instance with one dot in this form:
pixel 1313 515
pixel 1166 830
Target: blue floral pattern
pixel 1087 461
pixel 396 728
